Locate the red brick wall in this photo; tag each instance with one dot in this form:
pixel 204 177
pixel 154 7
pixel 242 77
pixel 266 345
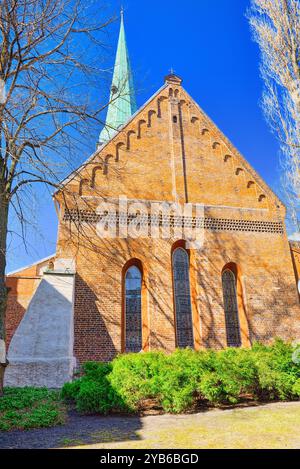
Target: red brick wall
pixel 157 157
pixel 91 338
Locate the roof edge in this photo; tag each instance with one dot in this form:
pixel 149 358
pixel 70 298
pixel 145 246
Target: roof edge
pixel 235 149
pixel 101 147
pixel 30 265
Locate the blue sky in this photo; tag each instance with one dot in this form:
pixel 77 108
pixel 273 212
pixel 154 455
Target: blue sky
pixel 209 45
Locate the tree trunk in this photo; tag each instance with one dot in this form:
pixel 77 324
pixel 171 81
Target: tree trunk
pixel 3 289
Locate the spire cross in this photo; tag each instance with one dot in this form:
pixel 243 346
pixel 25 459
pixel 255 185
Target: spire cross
pixel 172 71
pixel 121 107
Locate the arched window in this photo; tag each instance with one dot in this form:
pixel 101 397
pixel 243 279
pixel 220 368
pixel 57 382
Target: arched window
pixel 133 310
pixel 233 333
pixel 182 299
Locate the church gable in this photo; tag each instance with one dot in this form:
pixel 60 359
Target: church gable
pixel 233 170
pixel 121 282
pixel 170 150
pixel 131 158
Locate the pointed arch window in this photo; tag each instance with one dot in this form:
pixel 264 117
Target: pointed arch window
pixel 182 299
pixel 133 309
pixel 233 332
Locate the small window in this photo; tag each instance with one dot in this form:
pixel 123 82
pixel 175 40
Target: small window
pixel 175 119
pixel 182 299
pixel 133 310
pixel 233 333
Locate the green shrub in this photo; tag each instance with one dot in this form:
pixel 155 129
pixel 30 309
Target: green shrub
pixel 277 373
pixel 179 381
pixel 93 392
pixel 24 408
pixel 96 370
pixel 180 377
pixel 71 390
pixel 93 397
pixel 296 388
pixel 136 377
pixel 233 374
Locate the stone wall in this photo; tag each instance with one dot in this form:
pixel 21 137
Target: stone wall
pixel 41 350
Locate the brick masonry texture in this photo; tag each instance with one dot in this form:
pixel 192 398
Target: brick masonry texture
pixel 171 151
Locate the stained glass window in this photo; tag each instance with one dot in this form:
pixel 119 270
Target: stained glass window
pixel 133 310
pixel 182 297
pixel 231 309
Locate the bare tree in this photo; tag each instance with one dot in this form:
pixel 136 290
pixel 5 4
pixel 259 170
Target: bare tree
pixel 276 28
pixel 45 109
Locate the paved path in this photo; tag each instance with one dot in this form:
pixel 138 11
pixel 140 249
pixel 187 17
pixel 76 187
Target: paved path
pixel 270 426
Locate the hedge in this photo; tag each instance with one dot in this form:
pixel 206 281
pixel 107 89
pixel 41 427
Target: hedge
pixel 185 379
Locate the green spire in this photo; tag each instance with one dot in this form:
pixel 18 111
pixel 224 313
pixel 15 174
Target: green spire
pixel 122 98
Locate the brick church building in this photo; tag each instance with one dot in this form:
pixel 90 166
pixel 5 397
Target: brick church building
pixel 98 296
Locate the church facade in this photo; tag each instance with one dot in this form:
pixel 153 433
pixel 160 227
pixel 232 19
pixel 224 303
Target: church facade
pixel 144 292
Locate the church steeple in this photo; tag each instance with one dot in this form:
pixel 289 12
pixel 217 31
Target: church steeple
pixel 122 97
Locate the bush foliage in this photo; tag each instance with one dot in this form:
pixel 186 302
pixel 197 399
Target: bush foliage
pixel 181 381
pixel 24 408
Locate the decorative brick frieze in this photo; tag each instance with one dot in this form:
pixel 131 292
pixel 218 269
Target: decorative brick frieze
pixel 213 224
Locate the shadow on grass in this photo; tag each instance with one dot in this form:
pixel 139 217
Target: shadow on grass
pixel 78 430
pixel 83 430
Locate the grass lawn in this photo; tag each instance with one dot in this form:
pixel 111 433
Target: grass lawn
pixel 25 408
pixel 271 426
pixel 275 425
